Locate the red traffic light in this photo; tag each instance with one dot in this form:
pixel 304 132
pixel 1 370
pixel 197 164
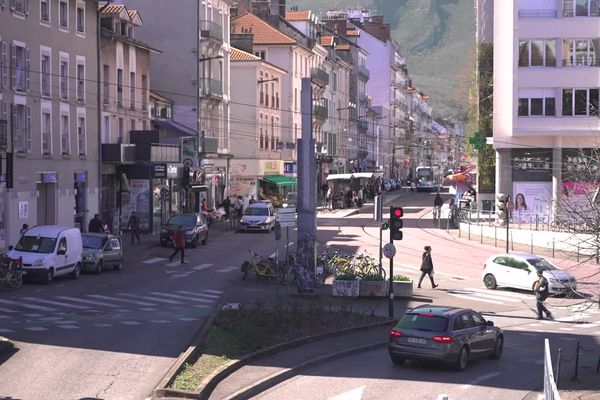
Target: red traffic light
pixel 397 212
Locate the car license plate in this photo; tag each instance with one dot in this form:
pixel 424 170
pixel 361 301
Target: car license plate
pixel 416 340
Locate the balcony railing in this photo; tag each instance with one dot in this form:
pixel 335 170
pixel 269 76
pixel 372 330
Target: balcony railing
pixel 362 70
pixel 208 145
pixel 320 110
pixel 212 88
pixel 319 76
pixel 160 152
pixel 537 13
pixel 211 30
pixel 363 98
pixel 589 62
pixel 117 153
pixel 363 124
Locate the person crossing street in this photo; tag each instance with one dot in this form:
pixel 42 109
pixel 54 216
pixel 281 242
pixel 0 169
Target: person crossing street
pixel 541 294
pixel 427 267
pixel 178 243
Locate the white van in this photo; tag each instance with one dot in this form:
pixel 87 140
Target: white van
pixel 49 251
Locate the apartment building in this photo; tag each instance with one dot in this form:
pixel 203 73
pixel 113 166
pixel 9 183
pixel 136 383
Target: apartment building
pixel 48 114
pixel 546 57
pixel 194 72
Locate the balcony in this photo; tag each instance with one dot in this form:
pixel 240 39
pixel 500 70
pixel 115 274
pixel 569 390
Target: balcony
pixel 362 70
pixel 208 145
pixel 581 62
pixel 363 124
pixel 320 109
pixel 116 153
pixel 363 98
pixel 544 13
pixel 212 88
pixel 319 77
pixel 160 152
pixel 211 30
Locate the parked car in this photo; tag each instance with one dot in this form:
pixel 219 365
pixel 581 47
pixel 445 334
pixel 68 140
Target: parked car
pixel 259 217
pixel 49 251
pixel 519 271
pixel 447 334
pixel 194 225
pixel 387 185
pixel 101 251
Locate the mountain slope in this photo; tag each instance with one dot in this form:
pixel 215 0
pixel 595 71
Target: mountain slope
pixel 436 36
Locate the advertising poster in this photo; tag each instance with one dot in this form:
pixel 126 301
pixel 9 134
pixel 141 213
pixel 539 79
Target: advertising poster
pixel 577 199
pixel 531 200
pixel 138 200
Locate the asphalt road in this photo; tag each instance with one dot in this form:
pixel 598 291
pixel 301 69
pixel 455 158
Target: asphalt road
pixel 113 336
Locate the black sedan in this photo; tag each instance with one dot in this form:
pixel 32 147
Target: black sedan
pixel 194 226
pixel 447 334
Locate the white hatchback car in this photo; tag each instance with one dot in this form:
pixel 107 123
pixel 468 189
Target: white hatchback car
pixel 519 271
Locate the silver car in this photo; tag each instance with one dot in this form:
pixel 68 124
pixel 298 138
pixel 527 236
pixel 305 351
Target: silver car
pixel 447 334
pixel 101 251
pixel 259 217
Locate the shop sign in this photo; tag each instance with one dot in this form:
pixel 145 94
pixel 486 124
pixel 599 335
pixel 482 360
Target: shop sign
pixel 289 167
pixel 159 170
pixel 172 171
pixel 532 164
pixel 49 177
pixel 271 167
pixel 80 177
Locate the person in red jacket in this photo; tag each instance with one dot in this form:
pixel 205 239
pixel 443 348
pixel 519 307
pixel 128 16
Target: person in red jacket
pixel 179 243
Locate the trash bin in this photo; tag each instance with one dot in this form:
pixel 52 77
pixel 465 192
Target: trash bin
pixel 486 205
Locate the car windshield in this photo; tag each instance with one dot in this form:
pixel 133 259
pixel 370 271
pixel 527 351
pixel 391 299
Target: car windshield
pixel 423 322
pixel 92 242
pixel 185 220
pixel 541 264
pixel 256 211
pixel 36 244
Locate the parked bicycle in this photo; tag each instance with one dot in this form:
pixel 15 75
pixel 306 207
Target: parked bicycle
pixel 11 273
pixel 268 268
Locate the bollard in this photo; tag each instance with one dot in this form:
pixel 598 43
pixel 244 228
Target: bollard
pixel 531 244
pixel 469 228
pixel 576 375
pixel 481 234
pixel 597 255
pixel 577 252
pixel 512 242
pixel 558 360
pixel 553 241
pixel 495 236
pixel 536 222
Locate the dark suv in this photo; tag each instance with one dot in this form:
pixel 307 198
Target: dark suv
pixel 194 226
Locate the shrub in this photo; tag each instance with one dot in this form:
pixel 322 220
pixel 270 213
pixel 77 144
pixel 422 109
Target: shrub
pixel 346 277
pixel 401 278
pixel 373 277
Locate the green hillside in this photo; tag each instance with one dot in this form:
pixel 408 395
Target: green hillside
pixel 438 39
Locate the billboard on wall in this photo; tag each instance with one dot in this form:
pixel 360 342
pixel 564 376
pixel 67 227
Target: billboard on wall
pixel 532 201
pixel 580 175
pixel 532 165
pixel 138 200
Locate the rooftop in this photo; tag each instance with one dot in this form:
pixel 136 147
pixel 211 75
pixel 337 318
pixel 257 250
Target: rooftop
pixel 262 32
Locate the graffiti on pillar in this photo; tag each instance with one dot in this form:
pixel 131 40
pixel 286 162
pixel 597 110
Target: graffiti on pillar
pixel 304 266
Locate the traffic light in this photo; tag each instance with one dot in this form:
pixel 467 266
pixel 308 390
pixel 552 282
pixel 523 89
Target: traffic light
pixel 501 208
pixel 396 214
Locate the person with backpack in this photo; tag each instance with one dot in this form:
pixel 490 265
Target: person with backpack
pixel 541 294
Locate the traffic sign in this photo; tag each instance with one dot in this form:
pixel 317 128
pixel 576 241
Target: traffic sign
pixel 389 250
pixel 286 217
pixel 287 224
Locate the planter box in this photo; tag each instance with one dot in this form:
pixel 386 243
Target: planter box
pixel 373 289
pixel 346 288
pixel 403 288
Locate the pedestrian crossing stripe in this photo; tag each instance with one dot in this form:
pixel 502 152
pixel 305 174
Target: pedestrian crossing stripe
pixel 153 260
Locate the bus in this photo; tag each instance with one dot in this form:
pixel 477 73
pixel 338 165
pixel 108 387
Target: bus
pixel 429 178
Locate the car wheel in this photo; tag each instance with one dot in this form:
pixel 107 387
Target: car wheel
pixel 398 360
pixel 194 242
pixel 463 359
pixel 99 266
pixel 490 281
pixel 498 347
pixel 118 267
pixel 205 239
pixel 49 276
pixel 76 271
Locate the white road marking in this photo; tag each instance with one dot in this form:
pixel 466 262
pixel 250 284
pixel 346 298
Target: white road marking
pixel 172 295
pixel 130 323
pixel 495 297
pixel 33 315
pixel 36 329
pixel 214 291
pixel 214 296
pixel 5 316
pixel 8 310
pixel 3 330
pixel 101 325
pixel 226 269
pixel 149 309
pixel 573 318
pixel 95 303
pixel 479 379
pixel 56 303
pixel 188 319
pixel 172 264
pixel 202 266
pixel 31 306
pixel 469 297
pixel 502 293
pixel 566 329
pixel 182 275
pixel 354 394
pixel 51 318
pixel 160 321
pixel 150 298
pixel 153 260
pixel 585 326
pixel 139 303
pixel 68 326
pixel 68 322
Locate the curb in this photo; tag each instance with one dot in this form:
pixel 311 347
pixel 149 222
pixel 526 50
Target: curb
pixel 5 345
pixel 211 381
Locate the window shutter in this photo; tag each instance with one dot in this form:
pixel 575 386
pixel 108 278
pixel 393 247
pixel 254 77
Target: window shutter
pixel 5 65
pixel 13 66
pixel 28 133
pixel 28 70
pixel 13 126
pixel 26 7
pixel 4 126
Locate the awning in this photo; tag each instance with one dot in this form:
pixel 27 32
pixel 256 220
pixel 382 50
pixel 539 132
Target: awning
pixel 367 175
pixel 336 177
pixel 280 180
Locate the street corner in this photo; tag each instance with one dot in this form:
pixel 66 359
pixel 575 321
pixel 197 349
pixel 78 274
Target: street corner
pixel 6 345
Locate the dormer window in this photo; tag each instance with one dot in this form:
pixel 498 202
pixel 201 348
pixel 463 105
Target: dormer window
pixel 130 32
pixel 124 29
pixel 117 27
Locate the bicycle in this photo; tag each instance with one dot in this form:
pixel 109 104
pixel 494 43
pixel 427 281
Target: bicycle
pixel 11 273
pixel 263 267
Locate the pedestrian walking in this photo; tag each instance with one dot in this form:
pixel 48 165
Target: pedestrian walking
pixel 252 200
pixel 541 294
pixel 134 227
pixel 179 243
pixel 95 225
pixel 239 206
pixel 329 198
pixel 227 206
pixel 427 267
pixel 413 186
pixel 24 229
pixel 438 202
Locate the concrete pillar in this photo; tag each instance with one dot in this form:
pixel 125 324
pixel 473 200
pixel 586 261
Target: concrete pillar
pixel 556 179
pixel 503 171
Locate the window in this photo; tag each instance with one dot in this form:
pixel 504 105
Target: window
pixel 63 14
pixel 272 94
pixel 260 54
pixel 106 129
pixel 132 90
pixel 45 11
pixel 22 128
pixel 478 319
pixel 105 87
pixel 80 82
pixel 295 99
pixel 260 125
pixel 466 321
pixel 581 52
pixel 45 78
pixel 580 102
pixel 144 92
pixel 581 8
pixel 537 106
pixel 518 264
pixel 267 91
pixel 278 136
pixel 80 15
pixel 46 133
pixel 121 132
pixel 537 53
pixel 272 133
pixel 62 246
pixel 81 135
pixel 119 87
pixel 64 80
pixel 20 68
pixel 261 99
pixel 20 6
pixel 65 134
pixel 132 125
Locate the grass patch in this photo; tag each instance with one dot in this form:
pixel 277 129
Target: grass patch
pixel 261 327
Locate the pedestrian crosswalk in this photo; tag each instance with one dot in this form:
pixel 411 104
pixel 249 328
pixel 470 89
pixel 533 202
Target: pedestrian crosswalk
pixel 488 296
pixel 41 314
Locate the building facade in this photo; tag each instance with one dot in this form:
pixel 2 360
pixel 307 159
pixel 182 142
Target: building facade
pixel 49 114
